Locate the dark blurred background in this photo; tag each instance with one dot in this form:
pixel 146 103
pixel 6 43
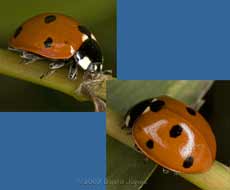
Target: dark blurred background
pixel 216 110
pixel 99 16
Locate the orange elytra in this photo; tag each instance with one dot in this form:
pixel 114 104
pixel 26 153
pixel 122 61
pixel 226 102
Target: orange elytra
pixel 59 38
pixel 172 134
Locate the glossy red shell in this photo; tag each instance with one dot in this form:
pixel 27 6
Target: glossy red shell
pixel 61 29
pixel 190 148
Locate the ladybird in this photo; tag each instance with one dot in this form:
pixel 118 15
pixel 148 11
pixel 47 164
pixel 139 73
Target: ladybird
pixel 60 39
pixel 172 134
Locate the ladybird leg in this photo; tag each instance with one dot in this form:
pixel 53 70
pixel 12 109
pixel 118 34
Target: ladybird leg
pixel 13 49
pixel 29 57
pixel 56 65
pixel 53 67
pixel 47 74
pixel 101 71
pixel 73 70
pixel 93 71
pixel 107 72
pixel 95 67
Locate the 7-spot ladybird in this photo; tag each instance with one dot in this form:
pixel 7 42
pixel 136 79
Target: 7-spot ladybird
pixel 60 39
pixel 172 134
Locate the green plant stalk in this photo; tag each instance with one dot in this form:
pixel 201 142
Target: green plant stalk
pixel 10 65
pixel 217 178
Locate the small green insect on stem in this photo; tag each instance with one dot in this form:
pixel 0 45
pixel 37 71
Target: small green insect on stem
pixel 10 65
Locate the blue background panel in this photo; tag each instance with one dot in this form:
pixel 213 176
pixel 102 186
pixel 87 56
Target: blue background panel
pixel 52 151
pixel 173 39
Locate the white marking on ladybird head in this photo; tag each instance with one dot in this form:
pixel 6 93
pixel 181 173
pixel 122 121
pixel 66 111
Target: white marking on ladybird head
pixel 154 99
pixel 84 37
pixel 153 128
pixel 146 110
pixel 72 51
pixel 127 119
pixel 187 149
pixel 84 62
pixel 93 37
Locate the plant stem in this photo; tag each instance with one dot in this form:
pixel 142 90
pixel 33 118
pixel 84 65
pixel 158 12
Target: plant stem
pixel 114 122
pixel 10 66
pixel 217 178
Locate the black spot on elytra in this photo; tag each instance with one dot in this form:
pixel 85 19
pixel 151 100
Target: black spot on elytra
pixel 188 162
pixel 50 18
pixel 48 42
pixel 18 31
pixel 191 111
pixel 157 105
pixel 137 110
pixel 175 131
pixel 150 144
pixel 84 30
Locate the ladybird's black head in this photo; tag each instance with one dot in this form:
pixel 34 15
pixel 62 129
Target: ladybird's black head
pixel 89 56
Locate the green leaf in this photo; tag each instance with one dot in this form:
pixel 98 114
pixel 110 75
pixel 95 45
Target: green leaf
pixel 122 172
